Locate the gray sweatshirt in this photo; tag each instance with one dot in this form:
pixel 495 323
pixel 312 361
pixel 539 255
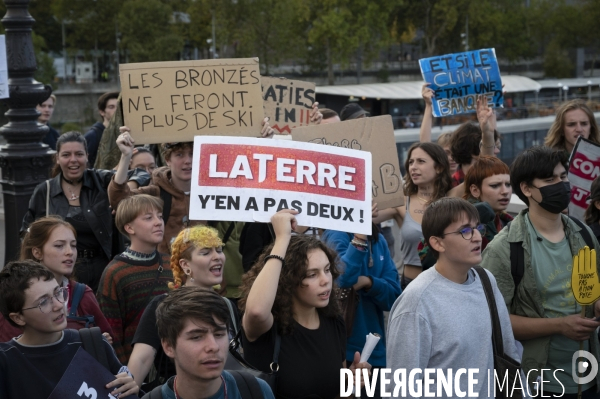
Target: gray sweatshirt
pixel 439 324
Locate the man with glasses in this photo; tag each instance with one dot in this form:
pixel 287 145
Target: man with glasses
pixel 544 314
pixel 32 364
pixel 442 320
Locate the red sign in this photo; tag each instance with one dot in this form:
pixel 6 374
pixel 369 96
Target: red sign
pixel 289 169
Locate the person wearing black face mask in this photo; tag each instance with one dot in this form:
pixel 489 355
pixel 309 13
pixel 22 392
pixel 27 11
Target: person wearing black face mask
pixel 544 314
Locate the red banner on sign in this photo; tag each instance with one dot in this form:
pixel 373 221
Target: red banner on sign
pixel 288 169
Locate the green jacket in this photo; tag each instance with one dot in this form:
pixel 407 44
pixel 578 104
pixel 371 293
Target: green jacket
pixel 527 302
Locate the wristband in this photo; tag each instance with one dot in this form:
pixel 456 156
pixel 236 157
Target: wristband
pixel 482 146
pixel 359 244
pixel 275 257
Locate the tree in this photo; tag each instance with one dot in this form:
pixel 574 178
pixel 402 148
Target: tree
pixel 350 27
pixel 45 71
pixel 147 31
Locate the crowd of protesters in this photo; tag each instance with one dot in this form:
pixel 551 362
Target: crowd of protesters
pixel 116 249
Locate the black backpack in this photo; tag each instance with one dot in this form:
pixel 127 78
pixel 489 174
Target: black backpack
pixel 92 343
pixel 517 253
pixel 246 383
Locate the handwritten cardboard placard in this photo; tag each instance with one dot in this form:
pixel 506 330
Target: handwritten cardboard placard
pixel 584 277
pixel 376 135
pixel 458 78
pixel 584 167
pixel 287 103
pixel 86 378
pixel 175 101
pixel 249 179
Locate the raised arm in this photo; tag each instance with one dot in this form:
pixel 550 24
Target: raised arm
pixel 258 318
pixel 487 122
pixel 425 132
pixel 125 143
pixel 315 115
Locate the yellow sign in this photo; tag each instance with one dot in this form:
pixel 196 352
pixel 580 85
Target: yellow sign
pixel 584 277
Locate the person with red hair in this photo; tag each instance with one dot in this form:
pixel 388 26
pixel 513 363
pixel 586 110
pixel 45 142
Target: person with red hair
pixel 487 186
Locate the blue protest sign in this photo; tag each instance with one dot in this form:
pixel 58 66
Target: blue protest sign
pixel 85 378
pixel 457 80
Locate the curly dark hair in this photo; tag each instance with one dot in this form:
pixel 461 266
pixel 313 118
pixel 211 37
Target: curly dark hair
pixel 464 143
pixel 442 183
pixel 290 279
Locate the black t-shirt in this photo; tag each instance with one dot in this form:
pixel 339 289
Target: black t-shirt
pixel 309 360
pixel 147 333
pixel 34 371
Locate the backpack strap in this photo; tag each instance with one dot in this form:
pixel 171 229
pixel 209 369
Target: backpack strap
pixel 78 291
pixel 234 321
pixel 93 343
pixel 517 253
pixel 156 393
pixel 228 233
pixel 167 201
pixel 247 385
pixel 585 234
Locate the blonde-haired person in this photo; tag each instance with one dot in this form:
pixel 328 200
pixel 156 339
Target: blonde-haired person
pixel 134 277
pixel 573 119
pixel 197 259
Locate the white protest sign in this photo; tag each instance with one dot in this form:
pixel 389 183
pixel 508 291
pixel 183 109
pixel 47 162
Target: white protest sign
pixel 3 69
pixel 584 167
pixel 250 179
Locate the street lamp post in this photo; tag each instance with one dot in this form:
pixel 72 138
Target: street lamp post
pixel 24 160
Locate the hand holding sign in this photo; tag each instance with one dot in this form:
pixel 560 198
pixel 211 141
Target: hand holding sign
pixel 584 277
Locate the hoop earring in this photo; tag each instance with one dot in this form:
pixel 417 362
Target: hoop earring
pixel 189 274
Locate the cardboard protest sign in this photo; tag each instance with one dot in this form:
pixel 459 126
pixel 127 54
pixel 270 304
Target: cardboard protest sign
pixel 175 101
pixel 287 103
pixel 249 179
pixel 375 135
pixel 584 167
pixel 458 78
pixel 584 277
pixel 86 378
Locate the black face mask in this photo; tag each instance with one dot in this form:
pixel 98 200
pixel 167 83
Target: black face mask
pixel 555 197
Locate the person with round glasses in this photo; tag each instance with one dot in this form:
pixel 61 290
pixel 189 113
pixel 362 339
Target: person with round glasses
pixel 442 320
pixel 52 242
pixel 33 364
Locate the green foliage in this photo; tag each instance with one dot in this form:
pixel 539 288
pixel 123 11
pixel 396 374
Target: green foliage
pixel 557 63
pixel 45 72
pixel 147 31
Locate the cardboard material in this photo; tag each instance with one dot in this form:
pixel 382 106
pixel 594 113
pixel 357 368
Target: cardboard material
pixel 457 80
pixel 287 103
pixel 584 167
pixel 375 135
pixel 250 179
pixel 175 101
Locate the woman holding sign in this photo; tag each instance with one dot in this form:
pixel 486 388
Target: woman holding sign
pixel 573 119
pixel 287 293
pixel 79 196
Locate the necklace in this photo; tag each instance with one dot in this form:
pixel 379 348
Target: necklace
pixel 179 397
pixel 425 200
pixel 71 182
pixel 73 196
